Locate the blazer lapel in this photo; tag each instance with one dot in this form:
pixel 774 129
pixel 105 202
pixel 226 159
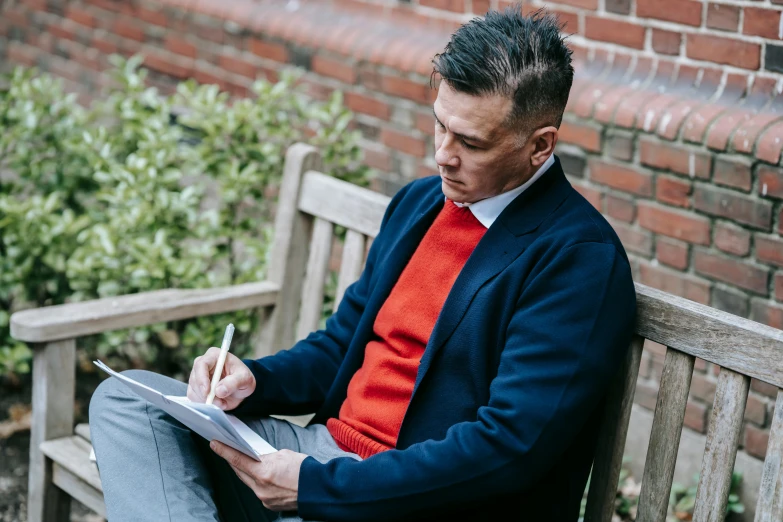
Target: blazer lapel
pixel 503 242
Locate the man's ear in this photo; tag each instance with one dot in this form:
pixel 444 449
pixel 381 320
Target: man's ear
pixel 543 142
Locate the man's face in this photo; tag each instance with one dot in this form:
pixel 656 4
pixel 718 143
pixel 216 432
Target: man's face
pixel 478 156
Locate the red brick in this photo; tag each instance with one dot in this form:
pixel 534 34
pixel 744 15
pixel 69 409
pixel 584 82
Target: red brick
pixel 404 142
pixel 457 6
pixel 703 387
pixel 167 65
pixel 696 416
pixel 770 181
pixel 337 69
pixel 425 122
pixel 769 249
pixel 621 178
pixel 732 271
pixel 586 136
pixel 620 146
pixel 770 144
pixel 732 205
pixel 128 29
pixel 756 410
pixel 584 4
pixel 756 441
pixel 761 22
pixel 732 239
pixel 766 389
pixel 238 65
pixel 672 253
pixel 377 157
pixel 151 17
pixel 404 88
pixel 666 42
pixel 779 286
pixel 591 194
pixel 677 283
pixel 61 32
pixel 480 7
pixel 674 223
pixel 269 50
pixel 570 21
pixel 722 16
pixel 767 313
pixel 680 11
pixel 662 155
pixel 180 46
pixel 723 50
pixel 634 239
pixel 367 105
pixel 614 31
pixel 673 191
pixel 620 208
pixel 733 173
pixel 81 16
pixel 646 395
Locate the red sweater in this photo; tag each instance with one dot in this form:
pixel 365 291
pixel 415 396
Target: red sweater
pixel 379 392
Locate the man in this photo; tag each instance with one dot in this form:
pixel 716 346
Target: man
pixel 463 375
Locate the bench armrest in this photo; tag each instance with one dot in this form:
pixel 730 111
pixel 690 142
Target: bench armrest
pixel 72 320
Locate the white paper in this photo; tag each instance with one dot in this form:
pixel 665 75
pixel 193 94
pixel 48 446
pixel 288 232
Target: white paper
pixel 207 420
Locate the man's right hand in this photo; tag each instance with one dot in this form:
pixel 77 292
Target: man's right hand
pixel 236 383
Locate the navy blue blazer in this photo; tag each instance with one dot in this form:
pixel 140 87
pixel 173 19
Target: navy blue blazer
pixel 504 415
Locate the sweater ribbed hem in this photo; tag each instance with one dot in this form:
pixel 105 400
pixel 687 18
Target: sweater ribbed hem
pixel 348 439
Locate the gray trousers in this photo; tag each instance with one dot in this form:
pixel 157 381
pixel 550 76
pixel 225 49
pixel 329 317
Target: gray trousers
pixel 154 468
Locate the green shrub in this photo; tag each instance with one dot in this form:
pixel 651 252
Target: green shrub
pixel 144 191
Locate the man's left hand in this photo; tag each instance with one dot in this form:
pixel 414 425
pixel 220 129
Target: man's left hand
pixel 274 480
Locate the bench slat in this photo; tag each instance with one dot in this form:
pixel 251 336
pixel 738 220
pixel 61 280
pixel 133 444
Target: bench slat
pixel 721 451
pixel 611 439
pixel 72 484
pixel 83 431
pixel 342 203
pixel 770 503
pixel 315 278
pixel 113 313
pixel 745 346
pixel 351 265
pixel 73 454
pixel 665 436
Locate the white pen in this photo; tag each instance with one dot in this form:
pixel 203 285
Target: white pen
pixel 221 361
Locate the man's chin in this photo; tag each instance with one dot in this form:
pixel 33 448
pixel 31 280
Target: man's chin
pixel 451 191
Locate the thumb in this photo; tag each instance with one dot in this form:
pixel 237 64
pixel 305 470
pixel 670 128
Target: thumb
pixel 234 385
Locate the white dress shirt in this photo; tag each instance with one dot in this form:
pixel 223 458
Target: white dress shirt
pixel 488 210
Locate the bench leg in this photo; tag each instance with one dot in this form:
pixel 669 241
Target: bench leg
pixel 54 369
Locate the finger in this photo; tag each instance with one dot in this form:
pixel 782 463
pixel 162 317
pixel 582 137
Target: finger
pixel 202 368
pixel 234 385
pixel 236 459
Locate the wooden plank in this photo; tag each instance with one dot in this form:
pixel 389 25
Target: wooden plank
pixel 113 313
pixel 288 254
pixel 315 278
pixel 85 494
pixel 351 265
pixel 343 203
pixel 73 453
pixel 83 431
pixel 611 439
pixel 721 451
pixel 747 347
pixel 665 436
pixel 54 372
pixel 769 507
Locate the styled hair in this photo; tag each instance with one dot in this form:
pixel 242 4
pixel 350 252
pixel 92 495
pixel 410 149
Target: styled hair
pixel 507 53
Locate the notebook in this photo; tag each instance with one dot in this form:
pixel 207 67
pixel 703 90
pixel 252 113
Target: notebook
pixel 207 420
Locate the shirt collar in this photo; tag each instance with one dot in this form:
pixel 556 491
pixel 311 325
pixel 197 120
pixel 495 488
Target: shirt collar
pixel 488 210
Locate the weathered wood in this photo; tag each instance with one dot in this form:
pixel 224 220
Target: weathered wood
pixel 770 503
pixel 611 439
pixel 74 473
pixel 315 278
pixel 721 451
pixel 83 431
pixel 54 372
pixel 745 346
pixel 665 436
pixel 343 203
pixel 351 264
pixel 289 253
pixel 113 313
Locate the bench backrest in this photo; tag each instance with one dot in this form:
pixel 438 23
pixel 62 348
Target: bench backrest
pixel 311 204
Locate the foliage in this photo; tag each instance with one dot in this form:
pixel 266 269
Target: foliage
pixel 144 191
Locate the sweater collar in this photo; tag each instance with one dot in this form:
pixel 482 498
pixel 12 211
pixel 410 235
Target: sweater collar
pixel 487 210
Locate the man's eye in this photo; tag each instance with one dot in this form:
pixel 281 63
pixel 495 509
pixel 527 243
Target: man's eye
pixel 439 125
pixel 468 145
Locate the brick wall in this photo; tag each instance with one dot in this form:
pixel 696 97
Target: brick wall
pixel 674 128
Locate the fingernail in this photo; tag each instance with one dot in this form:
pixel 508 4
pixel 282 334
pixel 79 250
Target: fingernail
pixel 220 391
pixel 212 445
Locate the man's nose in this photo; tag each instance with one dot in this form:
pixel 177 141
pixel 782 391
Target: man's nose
pixel 445 155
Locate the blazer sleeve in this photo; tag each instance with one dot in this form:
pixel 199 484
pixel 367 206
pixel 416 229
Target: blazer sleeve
pixel 296 381
pixel 567 336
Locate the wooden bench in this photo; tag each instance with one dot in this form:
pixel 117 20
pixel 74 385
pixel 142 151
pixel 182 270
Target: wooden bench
pixel 290 301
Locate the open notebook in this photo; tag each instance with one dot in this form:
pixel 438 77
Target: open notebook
pixel 207 420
